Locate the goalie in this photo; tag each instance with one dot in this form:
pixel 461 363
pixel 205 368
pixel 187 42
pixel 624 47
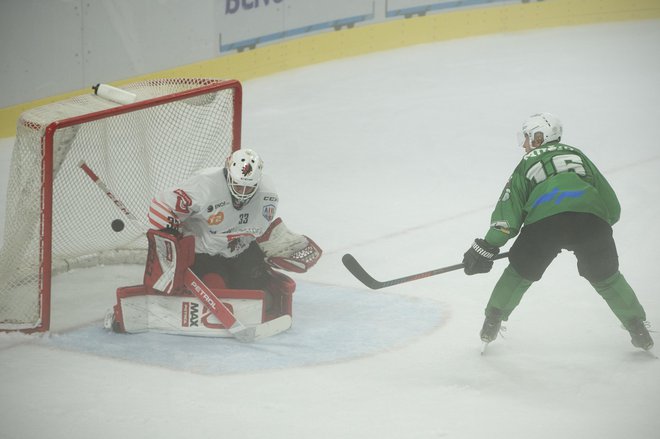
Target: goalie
pixel 221 223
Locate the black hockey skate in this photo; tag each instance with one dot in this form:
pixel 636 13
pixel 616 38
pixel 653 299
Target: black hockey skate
pixel 491 326
pixel 639 334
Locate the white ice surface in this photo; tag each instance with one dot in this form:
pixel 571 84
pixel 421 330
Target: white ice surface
pixel 397 157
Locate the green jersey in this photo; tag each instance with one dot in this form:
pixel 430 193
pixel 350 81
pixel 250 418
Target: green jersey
pixel 551 179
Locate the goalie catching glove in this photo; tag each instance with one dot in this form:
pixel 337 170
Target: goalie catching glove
pixel 286 250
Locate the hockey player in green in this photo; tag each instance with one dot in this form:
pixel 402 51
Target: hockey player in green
pixel 557 199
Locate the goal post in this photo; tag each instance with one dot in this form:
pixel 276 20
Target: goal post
pixel 56 220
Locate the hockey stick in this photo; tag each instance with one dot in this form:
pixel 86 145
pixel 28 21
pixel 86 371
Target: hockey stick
pixel 360 273
pixel 198 288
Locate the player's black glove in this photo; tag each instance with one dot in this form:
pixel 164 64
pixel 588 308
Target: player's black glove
pixel 479 257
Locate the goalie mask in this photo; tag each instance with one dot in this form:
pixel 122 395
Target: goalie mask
pixel 243 175
pixel 540 129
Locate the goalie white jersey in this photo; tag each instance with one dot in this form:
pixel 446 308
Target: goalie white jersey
pixel 202 207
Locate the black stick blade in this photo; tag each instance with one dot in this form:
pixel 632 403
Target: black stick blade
pixel 360 274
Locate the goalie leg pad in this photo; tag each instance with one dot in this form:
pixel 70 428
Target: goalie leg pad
pixel 281 288
pixel 139 310
pixel 280 283
pixel 168 258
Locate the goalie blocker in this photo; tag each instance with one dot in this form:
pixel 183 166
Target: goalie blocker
pixel 164 304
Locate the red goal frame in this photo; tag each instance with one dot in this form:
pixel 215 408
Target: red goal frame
pixel 45 245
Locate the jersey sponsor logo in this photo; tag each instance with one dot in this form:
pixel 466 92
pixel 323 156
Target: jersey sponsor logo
pixel 219 205
pixel 502 226
pixel 270 198
pixel 191 316
pixel 557 196
pixel 183 201
pixel 212 207
pixel 216 219
pixel 269 212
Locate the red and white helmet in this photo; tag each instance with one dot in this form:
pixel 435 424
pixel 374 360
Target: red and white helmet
pixel 243 174
pixel 545 126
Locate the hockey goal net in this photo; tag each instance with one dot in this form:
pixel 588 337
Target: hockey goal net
pixel 57 219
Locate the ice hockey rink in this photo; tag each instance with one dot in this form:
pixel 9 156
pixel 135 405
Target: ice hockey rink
pixel 398 158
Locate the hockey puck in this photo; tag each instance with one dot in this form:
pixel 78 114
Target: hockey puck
pixel 117 225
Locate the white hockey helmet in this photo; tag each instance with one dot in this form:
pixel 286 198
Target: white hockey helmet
pixel 542 127
pixel 243 174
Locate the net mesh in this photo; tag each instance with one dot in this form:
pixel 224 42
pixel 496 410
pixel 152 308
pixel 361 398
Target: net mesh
pixel 136 154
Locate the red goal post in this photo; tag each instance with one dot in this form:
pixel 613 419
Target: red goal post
pixel 56 220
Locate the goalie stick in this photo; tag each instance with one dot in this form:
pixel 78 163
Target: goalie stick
pixel 198 288
pixel 360 273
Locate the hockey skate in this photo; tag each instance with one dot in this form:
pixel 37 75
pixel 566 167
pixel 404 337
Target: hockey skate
pixel 110 322
pixel 491 326
pixel 639 334
pixel 490 329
